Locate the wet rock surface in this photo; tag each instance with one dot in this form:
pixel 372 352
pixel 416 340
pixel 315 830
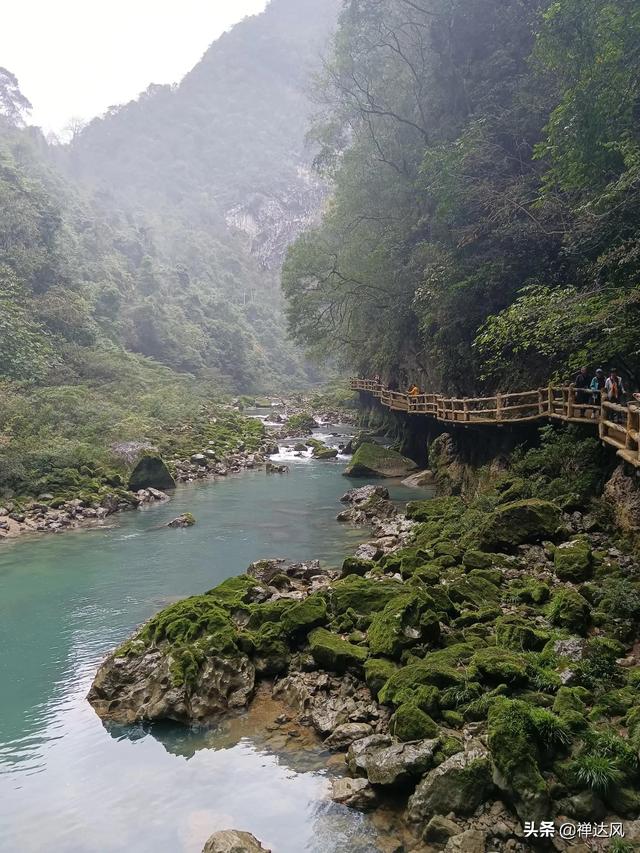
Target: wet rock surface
pixel 233 841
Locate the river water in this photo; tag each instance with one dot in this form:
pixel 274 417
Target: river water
pixel 70 785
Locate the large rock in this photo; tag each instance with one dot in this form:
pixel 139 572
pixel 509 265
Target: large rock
pixel 233 841
pixel 622 492
pixel 344 735
pixel 387 763
pixel 332 652
pixel 459 785
pixel 518 522
pixel 573 561
pixel 355 793
pixel 151 471
pixel 373 460
pixel 469 841
pixel 131 688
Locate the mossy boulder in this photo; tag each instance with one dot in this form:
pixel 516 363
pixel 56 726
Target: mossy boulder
pixel 333 653
pixel 304 615
pixel 568 609
pixel 477 560
pixel 356 566
pixel 473 590
pixel 529 590
pixel 362 595
pixel 373 460
pixel 404 621
pixel 325 453
pixel 515 757
pixel 500 666
pixel 518 522
pixel 414 675
pixel 459 785
pixel 377 671
pixel 570 700
pixel 410 722
pixel 573 561
pixel 151 472
pixel 435 509
pixel 515 633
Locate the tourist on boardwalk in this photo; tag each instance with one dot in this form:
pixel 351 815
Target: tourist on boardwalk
pixel 614 387
pixel 413 391
pixel 597 386
pixel 582 382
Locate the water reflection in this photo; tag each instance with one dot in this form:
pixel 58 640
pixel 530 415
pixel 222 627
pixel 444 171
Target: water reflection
pixel 67 784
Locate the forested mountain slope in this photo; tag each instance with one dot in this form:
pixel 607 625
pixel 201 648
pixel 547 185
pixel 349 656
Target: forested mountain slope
pixel 484 228
pixel 139 265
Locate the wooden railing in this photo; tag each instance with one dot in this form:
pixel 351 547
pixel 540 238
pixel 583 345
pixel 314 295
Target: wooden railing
pixel 617 425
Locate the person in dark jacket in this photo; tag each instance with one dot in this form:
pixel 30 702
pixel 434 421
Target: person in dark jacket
pixel 597 386
pixel 582 382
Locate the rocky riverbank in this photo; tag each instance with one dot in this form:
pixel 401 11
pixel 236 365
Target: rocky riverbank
pixel 144 474
pixel 479 658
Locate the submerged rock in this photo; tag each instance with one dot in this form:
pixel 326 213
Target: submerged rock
pixel 356 793
pixel 385 762
pixel 233 841
pixel 375 460
pixel 184 520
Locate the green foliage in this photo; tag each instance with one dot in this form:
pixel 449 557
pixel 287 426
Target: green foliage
pixel 485 214
pixel 598 772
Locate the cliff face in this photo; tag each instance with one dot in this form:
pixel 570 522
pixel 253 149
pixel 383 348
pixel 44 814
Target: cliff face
pixel 226 148
pixel 269 223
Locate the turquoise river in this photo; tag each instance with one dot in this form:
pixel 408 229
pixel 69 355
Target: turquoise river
pixel 70 785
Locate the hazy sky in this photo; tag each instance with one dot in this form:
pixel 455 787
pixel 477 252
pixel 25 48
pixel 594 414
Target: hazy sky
pixel 75 58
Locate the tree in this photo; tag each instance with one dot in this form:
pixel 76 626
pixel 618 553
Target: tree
pixel 13 104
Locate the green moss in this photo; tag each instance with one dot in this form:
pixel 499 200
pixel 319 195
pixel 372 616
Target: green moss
pixel 500 666
pixel 333 653
pixel 598 669
pixel 373 459
pixel 477 560
pixel 270 611
pixel 453 719
pixel 570 699
pixel 474 617
pixel 404 621
pixel 377 671
pixel 356 566
pixel 528 591
pixel 513 632
pixel 475 591
pixel 573 561
pixel 425 696
pixel 362 595
pixel 568 609
pixel 414 675
pixel 191 629
pixel 303 615
pixel 268 648
pixel 435 509
pixel 514 751
pixel 493 576
pixel 518 522
pixel 236 591
pixel 411 723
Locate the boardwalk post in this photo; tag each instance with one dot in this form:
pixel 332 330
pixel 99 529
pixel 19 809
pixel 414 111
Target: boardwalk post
pixel 498 406
pixel 571 393
pixel 465 407
pixel 540 402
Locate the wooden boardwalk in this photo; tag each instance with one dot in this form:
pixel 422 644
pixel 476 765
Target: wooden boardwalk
pixel 617 425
